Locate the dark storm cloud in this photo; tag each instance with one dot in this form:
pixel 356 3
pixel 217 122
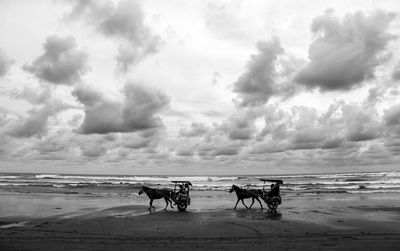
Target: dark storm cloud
pixel 124 20
pixel 135 112
pixel 62 63
pixel 195 130
pixel 346 52
pixel 5 63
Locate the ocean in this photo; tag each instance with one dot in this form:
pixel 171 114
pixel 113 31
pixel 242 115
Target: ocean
pixel 126 185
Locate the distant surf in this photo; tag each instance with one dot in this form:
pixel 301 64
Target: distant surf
pixel 374 182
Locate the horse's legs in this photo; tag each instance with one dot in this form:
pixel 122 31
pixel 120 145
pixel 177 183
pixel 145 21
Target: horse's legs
pixel 259 202
pixel 151 204
pixel 244 204
pixel 236 204
pixel 170 203
pixel 166 201
pixel 252 202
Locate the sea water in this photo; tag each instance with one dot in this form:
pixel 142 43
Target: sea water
pixel 125 185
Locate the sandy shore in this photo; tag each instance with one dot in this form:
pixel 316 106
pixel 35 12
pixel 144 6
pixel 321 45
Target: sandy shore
pixel 318 222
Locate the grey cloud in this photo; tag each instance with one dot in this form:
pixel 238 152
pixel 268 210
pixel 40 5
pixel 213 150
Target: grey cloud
pixel 303 128
pixel 241 125
pixel 361 123
pixel 36 122
pixel 392 116
pixel 268 73
pixel 185 152
pixel 55 143
pixel 256 85
pixel 141 140
pixel 136 112
pixel 396 72
pixel 5 63
pixel 196 130
pixel 93 151
pixel 33 95
pixel 226 150
pixel 346 52
pixel 123 20
pixel 61 64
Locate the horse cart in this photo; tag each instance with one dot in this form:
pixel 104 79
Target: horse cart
pixel 181 193
pixel 272 197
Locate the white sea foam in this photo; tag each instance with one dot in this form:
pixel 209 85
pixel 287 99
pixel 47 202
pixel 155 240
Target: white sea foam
pixel 365 182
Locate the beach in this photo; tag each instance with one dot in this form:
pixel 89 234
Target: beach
pixel 341 221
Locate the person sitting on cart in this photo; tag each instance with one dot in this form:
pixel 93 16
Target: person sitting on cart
pixel 182 191
pixel 274 190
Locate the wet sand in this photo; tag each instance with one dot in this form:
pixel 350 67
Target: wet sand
pixel 317 222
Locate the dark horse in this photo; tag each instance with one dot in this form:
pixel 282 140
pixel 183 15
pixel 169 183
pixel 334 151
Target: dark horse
pixel 155 194
pixel 246 193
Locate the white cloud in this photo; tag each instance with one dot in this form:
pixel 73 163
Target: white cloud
pixel 124 20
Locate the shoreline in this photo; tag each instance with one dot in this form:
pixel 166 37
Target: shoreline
pixel 314 222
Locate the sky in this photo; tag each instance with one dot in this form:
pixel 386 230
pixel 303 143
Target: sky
pixel 199 87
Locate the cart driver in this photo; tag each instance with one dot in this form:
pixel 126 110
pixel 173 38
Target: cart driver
pixel 274 190
pixel 182 191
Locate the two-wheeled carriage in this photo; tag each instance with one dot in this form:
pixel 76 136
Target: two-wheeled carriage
pixel 272 197
pixel 181 193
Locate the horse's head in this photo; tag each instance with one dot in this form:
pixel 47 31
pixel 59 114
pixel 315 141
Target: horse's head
pixel 232 189
pixel 140 191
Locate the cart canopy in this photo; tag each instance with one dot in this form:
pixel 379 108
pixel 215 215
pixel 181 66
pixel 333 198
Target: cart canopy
pixel 182 181
pixel 272 180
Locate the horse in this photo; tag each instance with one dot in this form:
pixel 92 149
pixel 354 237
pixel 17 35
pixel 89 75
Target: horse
pixel 155 193
pixel 244 194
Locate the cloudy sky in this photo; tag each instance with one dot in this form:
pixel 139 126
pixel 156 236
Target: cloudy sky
pixel 199 87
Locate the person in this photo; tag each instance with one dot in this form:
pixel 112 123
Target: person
pixel 182 191
pixel 274 190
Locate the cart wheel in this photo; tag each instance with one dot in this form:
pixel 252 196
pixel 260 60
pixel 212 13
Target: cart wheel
pixel 182 205
pixel 274 204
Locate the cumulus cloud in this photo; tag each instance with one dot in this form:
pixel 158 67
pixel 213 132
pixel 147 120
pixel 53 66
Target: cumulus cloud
pixel 135 112
pixel 301 128
pixel 346 52
pixel 5 63
pixel 125 21
pixel 61 64
pixel 256 85
pixel 262 79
